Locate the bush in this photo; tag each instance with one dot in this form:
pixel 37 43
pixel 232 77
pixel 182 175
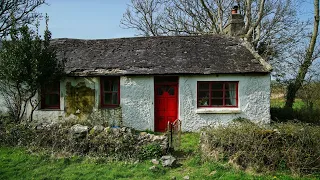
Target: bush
pixel 288 146
pixel 149 151
pixel 305 115
pixel 114 143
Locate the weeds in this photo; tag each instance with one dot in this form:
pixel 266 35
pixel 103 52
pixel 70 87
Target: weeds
pixel 116 143
pixel 289 146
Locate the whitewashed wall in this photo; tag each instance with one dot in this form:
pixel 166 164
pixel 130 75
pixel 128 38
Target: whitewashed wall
pixel 254 101
pixel 137 102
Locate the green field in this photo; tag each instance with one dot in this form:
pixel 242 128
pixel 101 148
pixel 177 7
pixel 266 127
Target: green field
pixel 18 163
pixel 298 104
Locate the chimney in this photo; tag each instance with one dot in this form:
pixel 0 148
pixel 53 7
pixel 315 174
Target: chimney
pixel 236 23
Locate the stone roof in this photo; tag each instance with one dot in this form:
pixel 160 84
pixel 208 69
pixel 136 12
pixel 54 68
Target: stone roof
pixel 207 54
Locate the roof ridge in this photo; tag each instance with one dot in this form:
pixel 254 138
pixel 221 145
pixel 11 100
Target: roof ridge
pixel 149 37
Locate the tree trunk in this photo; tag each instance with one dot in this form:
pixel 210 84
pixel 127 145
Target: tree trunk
pixel 303 69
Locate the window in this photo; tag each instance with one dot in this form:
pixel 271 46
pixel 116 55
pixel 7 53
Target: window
pixel 110 91
pixel 217 94
pixel 50 96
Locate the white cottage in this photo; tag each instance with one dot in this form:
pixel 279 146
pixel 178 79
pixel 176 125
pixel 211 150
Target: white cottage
pixel 146 82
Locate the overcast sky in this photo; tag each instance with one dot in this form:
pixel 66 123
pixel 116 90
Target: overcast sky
pixel 98 19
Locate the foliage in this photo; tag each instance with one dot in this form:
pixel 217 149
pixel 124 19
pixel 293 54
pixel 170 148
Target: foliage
pixel 305 115
pixel 310 95
pixel 23 12
pixel 112 143
pixel 289 146
pixel 27 63
pixel 19 163
pixel 150 151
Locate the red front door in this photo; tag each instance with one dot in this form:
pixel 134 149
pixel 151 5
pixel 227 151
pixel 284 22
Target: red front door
pixel 166 105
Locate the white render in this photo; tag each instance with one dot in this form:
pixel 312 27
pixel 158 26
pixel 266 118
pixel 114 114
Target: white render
pixel 137 102
pixel 254 101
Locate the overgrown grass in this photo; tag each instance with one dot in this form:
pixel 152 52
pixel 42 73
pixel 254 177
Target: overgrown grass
pixel 19 163
pixel 287 147
pixel 280 102
pixel 299 112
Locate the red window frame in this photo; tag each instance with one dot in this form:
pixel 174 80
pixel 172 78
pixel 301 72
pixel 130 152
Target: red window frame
pixel 223 90
pixel 48 91
pixel 103 92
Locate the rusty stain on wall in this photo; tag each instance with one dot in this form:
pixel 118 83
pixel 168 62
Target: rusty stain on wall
pixel 80 99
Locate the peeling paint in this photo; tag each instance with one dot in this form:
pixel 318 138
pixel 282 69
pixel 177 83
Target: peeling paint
pixel 80 99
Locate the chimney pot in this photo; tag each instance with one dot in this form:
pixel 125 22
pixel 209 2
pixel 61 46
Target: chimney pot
pixel 235 10
pixel 236 23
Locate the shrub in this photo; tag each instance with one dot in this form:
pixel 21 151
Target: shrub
pixel 149 151
pixel 305 115
pixel 288 146
pixel 114 143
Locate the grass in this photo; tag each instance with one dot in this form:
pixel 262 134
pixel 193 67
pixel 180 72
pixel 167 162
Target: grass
pixel 18 163
pixel 280 102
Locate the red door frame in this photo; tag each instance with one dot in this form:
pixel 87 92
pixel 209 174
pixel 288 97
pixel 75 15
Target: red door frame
pixel 176 87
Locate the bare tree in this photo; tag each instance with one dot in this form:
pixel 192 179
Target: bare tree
pixel 23 11
pixel 309 57
pixel 267 23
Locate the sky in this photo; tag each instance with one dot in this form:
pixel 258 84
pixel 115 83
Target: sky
pixel 99 19
pixel 86 19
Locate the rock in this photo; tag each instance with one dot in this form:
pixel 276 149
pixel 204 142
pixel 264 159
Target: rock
pixel 136 162
pixel 44 125
pixel 153 168
pixel 155 162
pixel 79 131
pixel 213 173
pixel 143 133
pixel 107 129
pixel 168 161
pixel 98 128
pixel 186 177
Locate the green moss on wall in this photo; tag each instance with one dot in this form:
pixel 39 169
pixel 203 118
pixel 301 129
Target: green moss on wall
pixel 80 99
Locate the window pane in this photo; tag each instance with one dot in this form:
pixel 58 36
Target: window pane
pixel 115 98
pixel 171 90
pixel 217 94
pixel 203 86
pixel 230 102
pixel 230 86
pixel 217 102
pixel 107 98
pixel 54 100
pixel 51 100
pixel 231 94
pixel 115 85
pixel 203 98
pixel 55 87
pixel 47 100
pixel 107 85
pixel 159 91
pixel 217 86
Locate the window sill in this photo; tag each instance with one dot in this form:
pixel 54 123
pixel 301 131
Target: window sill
pixel 109 107
pixel 218 111
pixel 48 109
